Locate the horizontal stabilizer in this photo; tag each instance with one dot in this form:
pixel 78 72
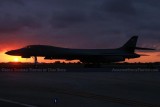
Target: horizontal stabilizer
pixel 139 48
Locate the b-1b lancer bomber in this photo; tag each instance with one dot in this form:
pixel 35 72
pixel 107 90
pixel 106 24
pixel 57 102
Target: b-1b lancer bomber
pixel 86 56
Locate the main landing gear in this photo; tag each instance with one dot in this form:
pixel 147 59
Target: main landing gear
pixel 35 61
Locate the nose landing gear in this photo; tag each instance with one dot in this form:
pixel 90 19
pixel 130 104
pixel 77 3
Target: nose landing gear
pixel 35 61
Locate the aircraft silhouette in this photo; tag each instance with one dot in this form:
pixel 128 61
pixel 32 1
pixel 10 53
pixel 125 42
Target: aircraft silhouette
pixel 87 56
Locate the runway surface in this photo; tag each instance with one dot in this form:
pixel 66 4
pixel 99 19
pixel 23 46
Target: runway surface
pixel 80 89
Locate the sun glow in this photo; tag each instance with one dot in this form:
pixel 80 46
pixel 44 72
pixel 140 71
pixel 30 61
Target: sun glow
pixel 16 59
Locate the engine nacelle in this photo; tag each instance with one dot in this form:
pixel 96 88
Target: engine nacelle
pixel 114 59
pixel 102 59
pixel 48 57
pixel 25 56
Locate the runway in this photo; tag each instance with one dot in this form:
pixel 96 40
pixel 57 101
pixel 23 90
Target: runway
pixel 10 103
pixel 80 89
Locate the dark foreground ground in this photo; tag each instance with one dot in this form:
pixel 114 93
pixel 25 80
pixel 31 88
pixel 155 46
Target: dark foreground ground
pixel 101 88
pixel 72 85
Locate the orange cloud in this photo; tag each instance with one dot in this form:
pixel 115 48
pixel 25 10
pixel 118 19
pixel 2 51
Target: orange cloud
pixel 151 58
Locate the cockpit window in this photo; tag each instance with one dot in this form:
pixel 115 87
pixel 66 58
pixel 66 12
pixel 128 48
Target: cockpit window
pixel 27 47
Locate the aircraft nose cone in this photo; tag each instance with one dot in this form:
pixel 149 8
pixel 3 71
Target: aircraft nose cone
pixel 8 52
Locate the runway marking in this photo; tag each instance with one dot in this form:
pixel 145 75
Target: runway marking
pixel 15 102
pixel 106 98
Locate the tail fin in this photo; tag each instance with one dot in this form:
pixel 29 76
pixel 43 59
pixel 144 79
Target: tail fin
pixel 130 45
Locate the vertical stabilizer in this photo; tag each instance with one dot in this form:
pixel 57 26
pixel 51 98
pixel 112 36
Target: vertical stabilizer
pixel 130 45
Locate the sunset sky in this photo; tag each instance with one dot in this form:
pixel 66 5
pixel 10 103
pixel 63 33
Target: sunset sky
pixel 79 24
